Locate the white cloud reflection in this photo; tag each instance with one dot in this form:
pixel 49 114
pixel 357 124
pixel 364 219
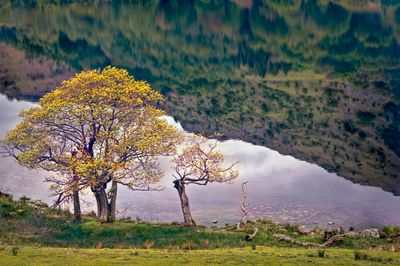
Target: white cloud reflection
pixel 280 187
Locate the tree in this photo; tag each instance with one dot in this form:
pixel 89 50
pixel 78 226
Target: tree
pixel 98 128
pixel 199 163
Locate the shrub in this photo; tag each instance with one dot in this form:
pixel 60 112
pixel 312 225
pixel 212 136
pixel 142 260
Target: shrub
pixel 10 208
pixel 391 230
pixel 14 251
pixel 366 117
pixel 321 253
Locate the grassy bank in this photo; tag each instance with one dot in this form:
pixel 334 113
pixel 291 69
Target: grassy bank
pixel 33 234
pixel 58 230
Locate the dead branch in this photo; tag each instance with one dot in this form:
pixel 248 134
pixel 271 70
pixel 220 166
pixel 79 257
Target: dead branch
pixel 286 238
pixel 250 237
pixel 333 239
pixel 243 207
pixel 330 241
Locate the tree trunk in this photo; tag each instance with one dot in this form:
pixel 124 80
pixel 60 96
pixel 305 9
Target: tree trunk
pixel 77 206
pixel 113 201
pixel 102 204
pixel 75 193
pixel 187 216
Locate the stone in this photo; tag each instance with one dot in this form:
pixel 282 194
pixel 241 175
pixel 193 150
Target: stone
pixel 214 221
pixel 370 233
pixel 383 234
pixel 302 229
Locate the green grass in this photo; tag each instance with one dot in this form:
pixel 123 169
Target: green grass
pixel 59 231
pixel 32 255
pixel 26 222
pixel 33 234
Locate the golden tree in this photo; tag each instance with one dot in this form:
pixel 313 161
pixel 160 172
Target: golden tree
pixel 199 163
pixel 98 128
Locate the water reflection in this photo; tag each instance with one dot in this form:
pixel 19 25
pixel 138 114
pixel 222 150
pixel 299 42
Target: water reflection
pixel 280 187
pixel 18 180
pixel 318 80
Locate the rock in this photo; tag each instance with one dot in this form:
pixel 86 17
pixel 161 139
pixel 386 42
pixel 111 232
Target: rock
pixel 214 221
pixel 382 234
pixel 351 234
pixel 330 223
pixel 302 229
pixel 370 233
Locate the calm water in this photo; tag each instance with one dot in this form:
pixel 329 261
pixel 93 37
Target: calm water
pixel 280 188
pixel 319 81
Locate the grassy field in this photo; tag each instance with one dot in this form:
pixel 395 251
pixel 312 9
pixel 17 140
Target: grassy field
pixel 32 255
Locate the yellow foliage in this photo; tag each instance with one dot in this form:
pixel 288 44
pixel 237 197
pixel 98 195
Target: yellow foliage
pixel 98 126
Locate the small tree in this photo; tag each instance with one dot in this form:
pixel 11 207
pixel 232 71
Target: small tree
pixel 100 127
pixel 199 163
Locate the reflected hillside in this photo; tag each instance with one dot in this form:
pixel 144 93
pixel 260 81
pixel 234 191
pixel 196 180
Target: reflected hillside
pixel 319 80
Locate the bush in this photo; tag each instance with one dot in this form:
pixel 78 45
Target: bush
pixel 391 230
pixel 366 117
pixel 10 208
pixel 14 251
pixel 321 253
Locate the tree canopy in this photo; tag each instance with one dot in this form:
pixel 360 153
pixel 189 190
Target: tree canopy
pixel 200 163
pixel 98 127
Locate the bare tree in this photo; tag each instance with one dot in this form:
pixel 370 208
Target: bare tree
pixel 199 163
pixel 243 207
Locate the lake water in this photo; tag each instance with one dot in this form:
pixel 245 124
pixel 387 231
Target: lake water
pixel 280 187
pixel 306 93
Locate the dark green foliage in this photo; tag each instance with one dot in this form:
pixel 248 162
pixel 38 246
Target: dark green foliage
pixel 14 251
pixel 392 112
pixel 349 126
pixel 362 134
pixel 391 231
pixel 358 255
pixel 265 108
pixel 10 208
pixel 366 117
pixel 321 253
pixel 391 137
pixel 397 15
pixel 331 97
